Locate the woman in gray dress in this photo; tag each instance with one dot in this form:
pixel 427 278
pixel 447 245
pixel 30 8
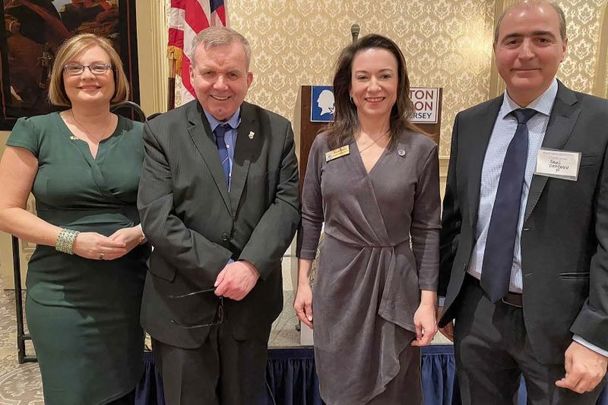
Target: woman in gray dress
pixel 372 179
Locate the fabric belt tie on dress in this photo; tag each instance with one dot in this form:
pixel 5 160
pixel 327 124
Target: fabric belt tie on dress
pixel 368 245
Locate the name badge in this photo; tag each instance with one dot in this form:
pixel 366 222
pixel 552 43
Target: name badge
pixel 336 153
pixel 558 164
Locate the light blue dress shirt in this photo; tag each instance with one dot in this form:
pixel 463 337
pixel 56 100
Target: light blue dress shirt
pixel 229 137
pixel 502 134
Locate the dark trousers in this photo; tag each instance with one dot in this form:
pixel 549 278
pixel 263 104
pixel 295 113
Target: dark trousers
pixel 222 371
pixel 492 353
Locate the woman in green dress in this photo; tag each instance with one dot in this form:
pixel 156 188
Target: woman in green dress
pixel 86 276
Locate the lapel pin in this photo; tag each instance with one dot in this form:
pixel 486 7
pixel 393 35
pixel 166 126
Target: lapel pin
pixel 251 134
pixel 401 152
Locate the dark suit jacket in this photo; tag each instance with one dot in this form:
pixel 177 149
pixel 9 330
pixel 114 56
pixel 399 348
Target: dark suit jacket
pixel 196 225
pixel 564 240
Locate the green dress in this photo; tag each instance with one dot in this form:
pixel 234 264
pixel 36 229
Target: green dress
pixel 83 315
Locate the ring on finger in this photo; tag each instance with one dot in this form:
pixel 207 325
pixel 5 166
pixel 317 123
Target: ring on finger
pixel 101 256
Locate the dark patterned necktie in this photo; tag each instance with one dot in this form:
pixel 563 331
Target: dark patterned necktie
pixel 500 243
pixel 222 148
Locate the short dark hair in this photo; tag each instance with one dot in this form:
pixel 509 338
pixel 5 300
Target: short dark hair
pixel 560 15
pixel 346 121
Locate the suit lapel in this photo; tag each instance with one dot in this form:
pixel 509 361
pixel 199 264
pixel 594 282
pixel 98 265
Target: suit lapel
pixel 561 123
pixel 249 139
pixel 477 151
pixel 203 139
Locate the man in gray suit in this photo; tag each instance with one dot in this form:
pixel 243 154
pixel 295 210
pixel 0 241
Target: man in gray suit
pixel 219 201
pixel 524 244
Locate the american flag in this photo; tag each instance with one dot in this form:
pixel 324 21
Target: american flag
pixel 186 19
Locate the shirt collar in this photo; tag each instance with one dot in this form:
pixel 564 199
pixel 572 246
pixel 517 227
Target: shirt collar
pixel 233 121
pixel 543 103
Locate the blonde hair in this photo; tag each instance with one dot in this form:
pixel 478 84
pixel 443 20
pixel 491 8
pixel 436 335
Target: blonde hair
pixel 70 49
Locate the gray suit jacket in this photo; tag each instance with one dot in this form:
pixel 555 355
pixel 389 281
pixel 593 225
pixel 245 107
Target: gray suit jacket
pixel 196 225
pixel 564 240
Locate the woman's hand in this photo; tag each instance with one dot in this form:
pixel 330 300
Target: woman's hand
pixel 130 237
pixel 303 303
pixel 425 319
pixel 92 245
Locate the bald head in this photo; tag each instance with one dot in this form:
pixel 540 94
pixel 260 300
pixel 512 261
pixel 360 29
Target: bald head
pixel 533 3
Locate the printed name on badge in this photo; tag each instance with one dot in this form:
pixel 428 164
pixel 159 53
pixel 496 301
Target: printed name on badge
pixel 558 164
pixel 336 153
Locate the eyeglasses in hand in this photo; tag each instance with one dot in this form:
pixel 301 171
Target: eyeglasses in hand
pixel 219 312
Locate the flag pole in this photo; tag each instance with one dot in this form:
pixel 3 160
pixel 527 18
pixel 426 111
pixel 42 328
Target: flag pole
pixel 171 81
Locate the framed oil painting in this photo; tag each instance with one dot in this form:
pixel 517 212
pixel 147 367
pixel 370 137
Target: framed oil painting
pixel 32 32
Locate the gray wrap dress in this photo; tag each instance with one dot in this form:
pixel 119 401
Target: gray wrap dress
pixel 381 248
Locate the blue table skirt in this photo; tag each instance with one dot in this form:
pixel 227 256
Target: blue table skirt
pixel 292 380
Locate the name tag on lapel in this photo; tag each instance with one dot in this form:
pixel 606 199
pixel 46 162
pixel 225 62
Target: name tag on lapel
pixel 558 164
pixel 336 153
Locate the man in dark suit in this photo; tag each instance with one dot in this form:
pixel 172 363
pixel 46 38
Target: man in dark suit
pixel 219 201
pixel 524 260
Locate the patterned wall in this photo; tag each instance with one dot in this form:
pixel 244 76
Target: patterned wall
pixel 447 43
pixel 584 19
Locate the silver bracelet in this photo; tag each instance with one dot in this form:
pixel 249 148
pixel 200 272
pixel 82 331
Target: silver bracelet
pixel 65 241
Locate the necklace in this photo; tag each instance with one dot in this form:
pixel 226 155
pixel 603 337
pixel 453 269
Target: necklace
pixel 373 142
pixel 89 132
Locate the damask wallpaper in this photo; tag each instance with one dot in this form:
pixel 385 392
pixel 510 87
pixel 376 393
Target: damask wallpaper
pixel 584 23
pixel 447 43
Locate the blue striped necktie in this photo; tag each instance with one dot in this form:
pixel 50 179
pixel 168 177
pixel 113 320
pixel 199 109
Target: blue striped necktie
pixel 222 148
pixel 502 232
